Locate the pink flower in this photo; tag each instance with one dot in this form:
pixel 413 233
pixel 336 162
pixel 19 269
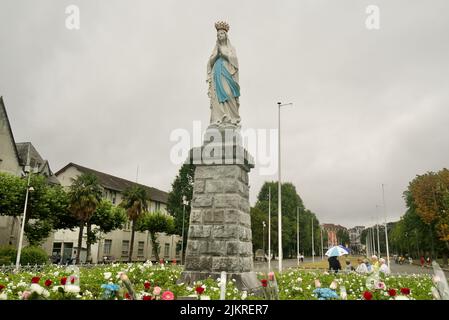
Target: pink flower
pixel 168 295
pixel 317 283
pixel 25 295
pixel 157 291
pixel 380 285
pixel 271 276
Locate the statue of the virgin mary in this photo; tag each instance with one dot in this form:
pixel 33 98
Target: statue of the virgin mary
pixel 223 77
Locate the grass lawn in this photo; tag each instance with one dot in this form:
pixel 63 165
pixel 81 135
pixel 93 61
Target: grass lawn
pixel 324 264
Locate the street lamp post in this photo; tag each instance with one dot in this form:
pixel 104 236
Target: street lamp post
pixel 297 235
pixel 263 236
pixel 313 245
pixel 386 229
pixel 19 249
pixel 322 250
pixel 184 203
pixel 269 228
pixel 279 187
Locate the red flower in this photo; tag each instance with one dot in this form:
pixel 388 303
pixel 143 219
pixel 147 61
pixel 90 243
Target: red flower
pixel 63 280
pixel 405 290
pixel 35 280
pixel 367 295
pixel 264 282
pixel 48 282
pixel 72 280
pixel 2 287
pixel 147 285
pixel 392 292
pixel 127 296
pixel 199 290
pixel 147 298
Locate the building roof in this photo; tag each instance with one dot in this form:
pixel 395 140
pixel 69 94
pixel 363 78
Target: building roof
pixel 8 124
pixel 118 184
pixel 333 226
pixel 30 157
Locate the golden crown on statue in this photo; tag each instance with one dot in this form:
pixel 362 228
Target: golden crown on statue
pixel 221 25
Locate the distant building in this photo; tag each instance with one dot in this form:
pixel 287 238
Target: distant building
pixel 17 159
pixel 116 244
pixel 331 231
pixel 355 236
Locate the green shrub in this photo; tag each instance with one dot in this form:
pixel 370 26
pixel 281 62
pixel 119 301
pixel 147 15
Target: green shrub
pixel 7 255
pixel 33 255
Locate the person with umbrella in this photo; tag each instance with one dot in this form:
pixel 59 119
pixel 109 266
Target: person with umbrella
pixel 333 254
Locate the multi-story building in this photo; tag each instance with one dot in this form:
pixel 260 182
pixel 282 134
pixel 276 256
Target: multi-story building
pixel 114 245
pixel 331 231
pixel 355 236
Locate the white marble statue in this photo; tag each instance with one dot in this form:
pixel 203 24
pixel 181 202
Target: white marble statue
pixel 223 77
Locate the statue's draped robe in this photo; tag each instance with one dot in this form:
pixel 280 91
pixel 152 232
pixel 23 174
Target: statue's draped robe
pixel 224 90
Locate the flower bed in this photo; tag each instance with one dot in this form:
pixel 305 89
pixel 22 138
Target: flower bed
pixel 158 282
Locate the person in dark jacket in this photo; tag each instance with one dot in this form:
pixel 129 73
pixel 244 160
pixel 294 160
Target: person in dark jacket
pixel 334 264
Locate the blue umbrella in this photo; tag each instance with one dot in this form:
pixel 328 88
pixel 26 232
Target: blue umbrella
pixel 336 251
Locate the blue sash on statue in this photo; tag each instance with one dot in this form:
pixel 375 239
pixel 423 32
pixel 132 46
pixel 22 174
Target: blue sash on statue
pixel 220 70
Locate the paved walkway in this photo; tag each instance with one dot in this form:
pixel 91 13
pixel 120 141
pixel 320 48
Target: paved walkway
pixel 395 268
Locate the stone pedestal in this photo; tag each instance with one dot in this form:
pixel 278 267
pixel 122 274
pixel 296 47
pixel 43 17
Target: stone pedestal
pixel 219 235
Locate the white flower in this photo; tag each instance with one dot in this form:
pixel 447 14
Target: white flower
pixel 56 273
pixel 107 275
pixel 72 288
pixel 3 296
pixel 244 295
pixel 36 288
pixel 401 298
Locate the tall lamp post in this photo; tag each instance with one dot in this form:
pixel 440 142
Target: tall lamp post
pixel 279 186
pixel 184 204
pixel 263 236
pixel 386 229
pixel 269 228
pixel 22 229
pixel 313 245
pixel 297 235
pixel 322 250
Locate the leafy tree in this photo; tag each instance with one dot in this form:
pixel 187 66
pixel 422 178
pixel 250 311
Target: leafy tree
pixel 430 194
pixel 85 194
pixel 181 186
pixel 47 207
pixel 106 218
pixel 135 202
pixel 343 237
pixel 290 202
pixel 155 222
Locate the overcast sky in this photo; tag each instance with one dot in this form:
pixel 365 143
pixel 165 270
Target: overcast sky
pixel 370 106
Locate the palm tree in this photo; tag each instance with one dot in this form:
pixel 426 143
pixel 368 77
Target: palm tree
pixel 135 202
pixel 85 194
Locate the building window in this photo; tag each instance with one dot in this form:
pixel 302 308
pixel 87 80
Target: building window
pixel 167 250
pixel 158 205
pixel 125 247
pixel 140 248
pixel 107 247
